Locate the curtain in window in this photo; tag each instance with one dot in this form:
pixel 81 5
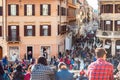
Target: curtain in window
pixel 45 9
pixel 29 10
pixel 13 10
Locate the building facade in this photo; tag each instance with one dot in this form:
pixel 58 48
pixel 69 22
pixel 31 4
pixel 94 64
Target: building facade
pixel 34 28
pixel 71 21
pixel 1 26
pixel 109 30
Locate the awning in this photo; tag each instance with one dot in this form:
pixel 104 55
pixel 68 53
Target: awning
pixel 107 46
pixel 117 46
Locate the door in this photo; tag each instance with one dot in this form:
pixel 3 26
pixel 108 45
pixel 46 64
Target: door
pixel 45 51
pixel 29 52
pixel 0 52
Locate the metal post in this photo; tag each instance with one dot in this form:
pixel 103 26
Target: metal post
pixel 60 13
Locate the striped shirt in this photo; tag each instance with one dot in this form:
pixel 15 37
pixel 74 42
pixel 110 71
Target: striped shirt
pixel 100 70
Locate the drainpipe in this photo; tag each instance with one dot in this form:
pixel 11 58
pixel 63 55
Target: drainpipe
pixel 60 13
pixel 4 26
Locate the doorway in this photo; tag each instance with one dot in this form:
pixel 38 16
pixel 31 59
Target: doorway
pixel 45 51
pixel 14 53
pixel 29 52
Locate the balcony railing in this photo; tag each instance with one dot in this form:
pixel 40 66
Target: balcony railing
pixel 108 34
pixel 13 39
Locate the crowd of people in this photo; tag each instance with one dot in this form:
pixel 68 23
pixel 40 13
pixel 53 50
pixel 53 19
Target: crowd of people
pixel 83 54
pixel 39 69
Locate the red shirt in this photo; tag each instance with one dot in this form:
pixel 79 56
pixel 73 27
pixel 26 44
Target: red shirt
pixel 82 72
pixel 100 70
pixel 27 76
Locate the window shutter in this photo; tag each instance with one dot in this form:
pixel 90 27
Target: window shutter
pixel 25 9
pixel 33 30
pixel 41 30
pixel 17 32
pixel 33 9
pixel 116 25
pixel 104 25
pixel 104 8
pixel 58 29
pixel 111 25
pixel 101 8
pixel 9 10
pixel 41 9
pixel 58 9
pixel 9 32
pixel 25 30
pixel 101 22
pixel 17 10
pixel 65 12
pixel 1 11
pixel 49 30
pixel 111 8
pixel 116 8
pixel 49 9
pixel 0 30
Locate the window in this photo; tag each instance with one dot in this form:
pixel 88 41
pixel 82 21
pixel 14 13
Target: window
pixel 108 22
pixel 117 8
pixel 13 33
pixel 0 30
pixel 45 9
pixel 1 10
pixel 45 30
pixel 108 8
pixel 29 10
pixel 117 25
pixel 108 25
pixel 29 30
pixel 13 10
pixel 63 11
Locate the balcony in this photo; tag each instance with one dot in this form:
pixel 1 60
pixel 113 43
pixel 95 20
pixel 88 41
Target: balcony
pixel 63 29
pixel 108 34
pixel 13 39
pixel 72 5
